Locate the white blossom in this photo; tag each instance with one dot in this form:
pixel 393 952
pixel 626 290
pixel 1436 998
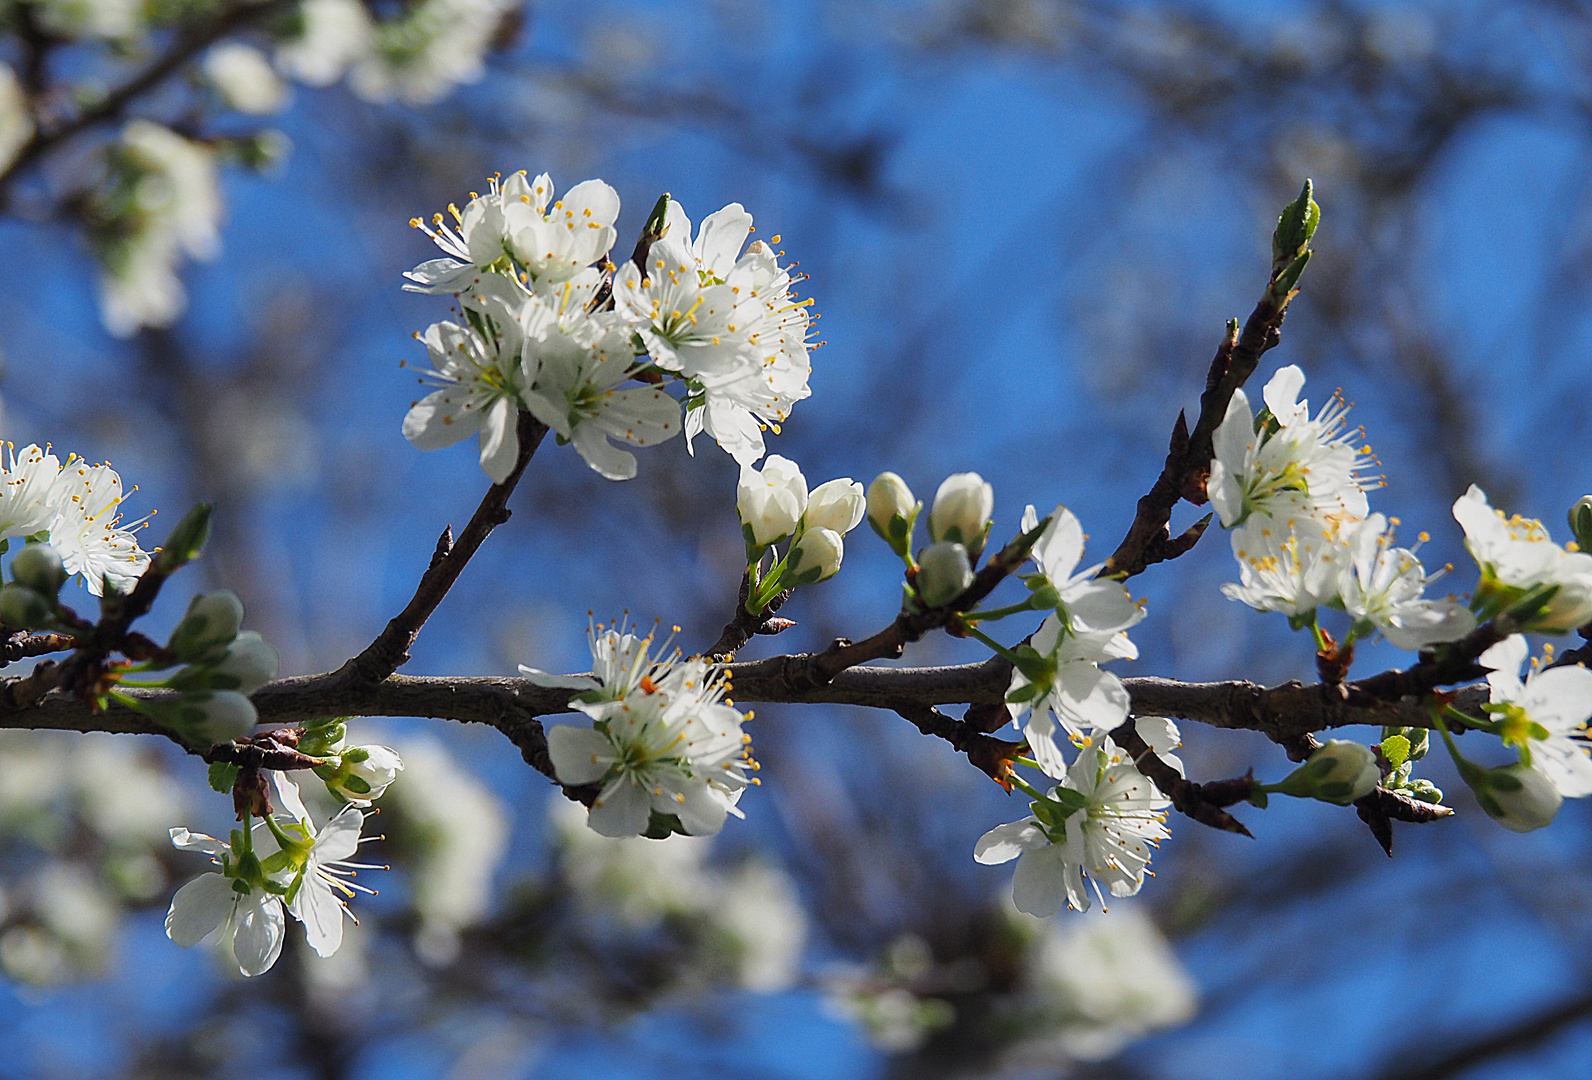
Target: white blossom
pixel 1091 604
pixel 109 19
pixel 1292 464
pixel 1075 694
pixel 835 504
pixel 29 487
pixel 815 556
pixel 1099 825
pixel 483 384
pixel 364 773
pixel 462 829
pixel 171 207
pixel 1517 557
pixel 319 881
pixel 575 363
pixel 1292 566
pixel 426 50
pixel 245 79
pixel 1545 715
pixel 1108 982
pixel 727 322
pixel 88 532
pixel 944 573
pixel 334 34
pixel 1382 587
pixel 215 903
pixel 619 661
pixel 672 747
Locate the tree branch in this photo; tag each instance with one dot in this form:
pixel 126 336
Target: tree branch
pixel 188 44
pixel 390 650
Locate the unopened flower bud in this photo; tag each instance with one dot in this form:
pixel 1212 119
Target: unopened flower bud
pixel 815 557
pixel 892 511
pixel 1340 772
pixel 364 773
pixel 219 716
pixel 23 608
pixel 249 664
pixel 1516 796
pixel 961 511
pixel 837 505
pixel 209 626
pixel 39 567
pixel 770 502
pixel 944 573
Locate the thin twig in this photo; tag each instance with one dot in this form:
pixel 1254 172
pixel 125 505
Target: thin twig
pixel 1188 459
pixel 390 650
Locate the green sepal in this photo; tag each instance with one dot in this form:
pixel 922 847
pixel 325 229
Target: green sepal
pixel 662 826
pixel 355 784
pixel 187 541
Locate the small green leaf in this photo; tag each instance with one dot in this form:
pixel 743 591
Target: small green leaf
pixel 1396 748
pixel 223 774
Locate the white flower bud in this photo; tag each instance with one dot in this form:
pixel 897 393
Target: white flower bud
pixel 210 624
pixel 770 502
pixel 220 716
pixel 961 511
pixel 837 505
pixel 365 773
pixel 1340 772
pixel 39 567
pixel 944 573
pixel 815 557
pixel 1516 796
pixel 892 509
pixel 251 662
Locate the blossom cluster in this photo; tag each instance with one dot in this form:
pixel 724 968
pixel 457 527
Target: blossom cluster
pixel 665 750
pixel 74 508
pixel 1293 490
pixel 283 863
pixel 551 327
pixel 159 201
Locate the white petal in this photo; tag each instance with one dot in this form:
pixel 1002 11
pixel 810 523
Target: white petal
pixel 199 908
pixel 1507 655
pixel 1059 550
pixel 500 444
pixel 1004 843
pixel 581 755
pixel 257 939
pixel 317 908
pixel 197 841
pixel 559 682
pixel 623 809
pixel 287 791
pixel 606 459
pixel 723 234
pixel 1039 886
pixel 441 419
pixel 703 811
pixel 340 838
